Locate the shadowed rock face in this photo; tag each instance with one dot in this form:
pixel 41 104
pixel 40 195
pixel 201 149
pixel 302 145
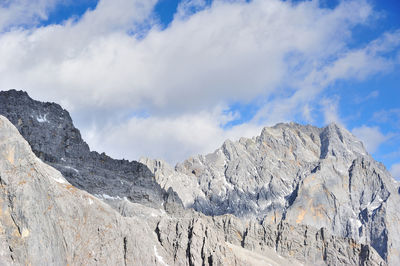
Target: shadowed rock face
pixel 50 131
pixel 301 191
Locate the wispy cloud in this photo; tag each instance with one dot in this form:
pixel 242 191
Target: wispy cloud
pixel 330 110
pixel 372 95
pixel 17 13
pixel 395 171
pixel 372 137
pixel 388 116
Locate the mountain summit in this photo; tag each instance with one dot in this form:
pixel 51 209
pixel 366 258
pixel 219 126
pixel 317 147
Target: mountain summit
pixel 302 175
pixel 53 137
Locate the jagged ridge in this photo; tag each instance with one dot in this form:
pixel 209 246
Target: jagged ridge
pixel 50 131
pixel 44 220
pixel 302 175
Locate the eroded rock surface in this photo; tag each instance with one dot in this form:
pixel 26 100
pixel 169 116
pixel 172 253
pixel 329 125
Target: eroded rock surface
pixel 300 175
pixel 44 220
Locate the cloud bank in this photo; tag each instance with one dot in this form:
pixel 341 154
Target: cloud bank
pixel 137 89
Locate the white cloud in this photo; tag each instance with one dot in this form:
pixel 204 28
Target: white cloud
pixel 170 138
pixel 112 16
pixel 372 137
pixel 395 171
pixel 14 13
pixel 351 64
pixel 186 8
pixel 330 110
pixel 282 53
pixel 231 51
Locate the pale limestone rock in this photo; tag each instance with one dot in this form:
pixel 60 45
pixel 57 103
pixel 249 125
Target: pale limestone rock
pixel 44 220
pixel 301 175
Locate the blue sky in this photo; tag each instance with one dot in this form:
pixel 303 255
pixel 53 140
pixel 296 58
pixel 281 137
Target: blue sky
pixel 174 78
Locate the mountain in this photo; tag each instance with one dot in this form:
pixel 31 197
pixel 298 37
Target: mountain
pixel 54 139
pixel 320 177
pixel 312 195
pixel 44 220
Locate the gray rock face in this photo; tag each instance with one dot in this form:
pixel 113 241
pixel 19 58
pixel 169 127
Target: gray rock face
pixel 47 221
pixel 300 175
pixel 49 130
pixel 44 220
pixel 301 242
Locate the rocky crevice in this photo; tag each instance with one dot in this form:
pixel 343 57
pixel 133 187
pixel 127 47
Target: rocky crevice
pixel 125 243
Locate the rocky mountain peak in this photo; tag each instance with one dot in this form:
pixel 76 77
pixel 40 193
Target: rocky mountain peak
pixel 322 177
pixel 53 137
pixel 336 141
pixel 46 125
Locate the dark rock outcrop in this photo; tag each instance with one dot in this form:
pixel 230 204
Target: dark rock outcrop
pixel 49 130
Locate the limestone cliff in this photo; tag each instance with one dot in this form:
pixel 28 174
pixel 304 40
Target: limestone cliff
pixel 44 220
pixel 300 175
